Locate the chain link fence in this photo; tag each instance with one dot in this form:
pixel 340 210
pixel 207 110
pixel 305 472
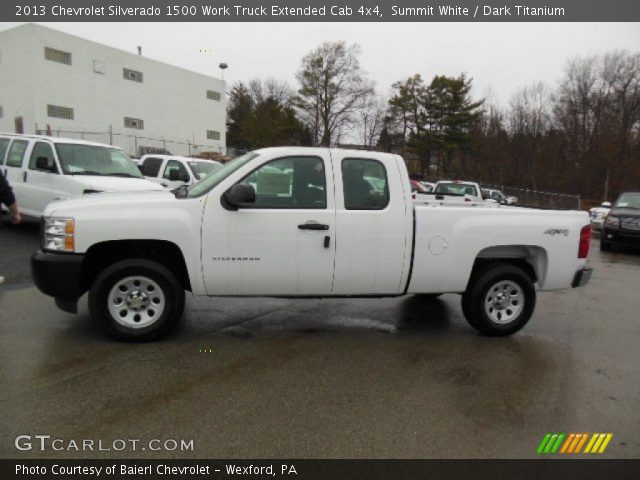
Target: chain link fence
pixel 137 145
pixel 539 199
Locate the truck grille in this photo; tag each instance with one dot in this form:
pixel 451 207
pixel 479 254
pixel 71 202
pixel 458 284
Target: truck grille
pixel 630 223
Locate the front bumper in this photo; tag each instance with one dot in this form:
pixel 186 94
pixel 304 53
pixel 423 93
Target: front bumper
pixel 582 277
pixel 58 275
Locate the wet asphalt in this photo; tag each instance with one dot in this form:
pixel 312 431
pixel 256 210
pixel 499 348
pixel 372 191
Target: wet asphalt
pixel 364 378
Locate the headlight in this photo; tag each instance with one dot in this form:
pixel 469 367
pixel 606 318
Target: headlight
pixel 612 221
pixel 59 234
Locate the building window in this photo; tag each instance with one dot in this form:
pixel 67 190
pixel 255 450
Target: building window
pixel 57 111
pixel 213 135
pixel 98 67
pixel 132 75
pixel 57 55
pixel 213 95
pixel 134 123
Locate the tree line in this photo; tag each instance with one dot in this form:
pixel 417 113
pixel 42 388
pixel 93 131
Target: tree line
pixel 581 135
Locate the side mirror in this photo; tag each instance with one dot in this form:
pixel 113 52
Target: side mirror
pixel 606 204
pixel 238 196
pixel 44 163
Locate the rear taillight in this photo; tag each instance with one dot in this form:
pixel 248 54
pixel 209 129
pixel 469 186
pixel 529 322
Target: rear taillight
pixel 585 241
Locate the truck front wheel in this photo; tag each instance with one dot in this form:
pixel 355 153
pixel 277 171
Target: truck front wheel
pixel 500 300
pixel 136 299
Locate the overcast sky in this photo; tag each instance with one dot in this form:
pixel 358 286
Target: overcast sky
pixel 500 56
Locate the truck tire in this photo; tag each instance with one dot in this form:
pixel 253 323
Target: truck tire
pixel 500 300
pixel 136 300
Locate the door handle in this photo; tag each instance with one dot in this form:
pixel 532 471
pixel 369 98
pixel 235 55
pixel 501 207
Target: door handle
pixel 24 177
pixel 313 226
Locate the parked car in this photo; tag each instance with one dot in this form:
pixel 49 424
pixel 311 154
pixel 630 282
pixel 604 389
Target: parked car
pixel 622 223
pixel 172 171
pixel 44 169
pixel 300 234
pixel 598 214
pixel 491 194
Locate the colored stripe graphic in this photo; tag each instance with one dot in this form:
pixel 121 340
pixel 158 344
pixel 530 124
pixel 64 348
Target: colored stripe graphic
pixel 572 443
pixel 581 443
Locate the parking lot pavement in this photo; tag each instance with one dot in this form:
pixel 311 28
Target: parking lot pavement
pixel 389 378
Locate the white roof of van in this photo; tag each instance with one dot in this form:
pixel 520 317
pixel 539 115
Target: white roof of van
pixel 56 139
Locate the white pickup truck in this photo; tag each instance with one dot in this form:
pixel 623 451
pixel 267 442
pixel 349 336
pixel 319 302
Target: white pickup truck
pixel 301 222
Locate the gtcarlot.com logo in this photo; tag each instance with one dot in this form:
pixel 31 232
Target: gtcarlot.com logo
pixel 573 443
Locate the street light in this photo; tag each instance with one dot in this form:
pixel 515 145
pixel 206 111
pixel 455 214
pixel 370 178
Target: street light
pixel 223 67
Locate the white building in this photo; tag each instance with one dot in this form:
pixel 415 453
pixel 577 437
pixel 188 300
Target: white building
pixel 59 83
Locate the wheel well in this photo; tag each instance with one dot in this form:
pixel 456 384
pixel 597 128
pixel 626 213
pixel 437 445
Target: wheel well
pixel 532 260
pixel 101 255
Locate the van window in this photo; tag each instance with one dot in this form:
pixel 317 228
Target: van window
pixel 41 149
pixel 4 143
pixel 365 184
pixel 151 166
pixel 16 153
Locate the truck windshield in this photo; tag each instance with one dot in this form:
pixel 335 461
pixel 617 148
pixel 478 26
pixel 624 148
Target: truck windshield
pixel 629 200
pixel 210 181
pixel 202 169
pixel 453 188
pixel 79 159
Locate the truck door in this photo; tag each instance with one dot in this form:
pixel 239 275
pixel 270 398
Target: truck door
pixel 281 245
pixel 39 178
pixel 373 224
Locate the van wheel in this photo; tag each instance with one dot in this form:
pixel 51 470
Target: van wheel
pixel 136 300
pixel 499 300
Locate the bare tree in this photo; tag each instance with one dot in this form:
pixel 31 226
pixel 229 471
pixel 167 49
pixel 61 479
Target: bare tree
pixel 372 119
pixel 529 120
pixel 333 88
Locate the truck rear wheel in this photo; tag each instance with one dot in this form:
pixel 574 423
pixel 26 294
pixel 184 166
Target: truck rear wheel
pixel 500 300
pixel 136 300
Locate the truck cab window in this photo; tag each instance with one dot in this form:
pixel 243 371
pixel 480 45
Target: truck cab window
pixel 177 166
pixel 365 184
pixel 291 182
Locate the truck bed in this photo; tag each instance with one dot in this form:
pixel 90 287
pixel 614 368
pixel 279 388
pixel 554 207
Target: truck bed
pixel 448 240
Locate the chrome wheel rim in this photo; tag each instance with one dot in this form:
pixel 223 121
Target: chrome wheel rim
pixel 504 302
pixel 136 302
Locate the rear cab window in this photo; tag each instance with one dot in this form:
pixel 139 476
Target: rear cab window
pixel 365 184
pixel 16 153
pixel 454 188
pixel 151 166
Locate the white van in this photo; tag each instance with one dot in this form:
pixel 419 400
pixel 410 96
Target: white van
pixel 44 169
pixel 172 171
